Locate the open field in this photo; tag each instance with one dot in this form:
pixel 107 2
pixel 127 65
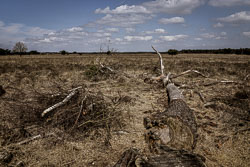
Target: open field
pixel 121 100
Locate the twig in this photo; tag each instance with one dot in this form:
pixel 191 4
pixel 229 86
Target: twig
pixel 30 139
pixel 80 112
pixel 74 91
pixel 200 95
pixel 217 82
pixel 35 138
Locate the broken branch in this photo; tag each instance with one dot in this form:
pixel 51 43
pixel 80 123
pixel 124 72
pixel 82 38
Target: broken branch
pixel 217 82
pixel 188 71
pixel 161 61
pixel 74 91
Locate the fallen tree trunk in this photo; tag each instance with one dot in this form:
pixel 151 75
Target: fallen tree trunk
pixel 171 135
pixel 175 127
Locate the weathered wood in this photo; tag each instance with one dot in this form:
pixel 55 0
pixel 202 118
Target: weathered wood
pixel 166 158
pixel 161 61
pixel 169 158
pixel 171 135
pixel 73 92
pixel 128 158
pixel 176 127
pixel 174 93
pixel 188 71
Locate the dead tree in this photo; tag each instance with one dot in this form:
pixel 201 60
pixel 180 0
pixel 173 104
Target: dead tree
pixel 171 135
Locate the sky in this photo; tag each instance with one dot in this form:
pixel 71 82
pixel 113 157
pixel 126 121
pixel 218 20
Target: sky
pixel 124 25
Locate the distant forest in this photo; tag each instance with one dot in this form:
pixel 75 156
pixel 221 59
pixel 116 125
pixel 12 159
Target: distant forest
pixel 241 51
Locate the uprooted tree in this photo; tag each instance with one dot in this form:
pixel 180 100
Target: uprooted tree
pixel 171 135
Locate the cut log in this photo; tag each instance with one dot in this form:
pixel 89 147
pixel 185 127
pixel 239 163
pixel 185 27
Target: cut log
pixel 176 127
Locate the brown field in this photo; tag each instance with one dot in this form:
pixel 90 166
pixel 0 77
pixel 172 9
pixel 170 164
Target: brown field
pixel 120 100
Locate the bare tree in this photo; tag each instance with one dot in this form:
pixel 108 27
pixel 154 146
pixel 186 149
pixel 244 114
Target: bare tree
pixel 20 48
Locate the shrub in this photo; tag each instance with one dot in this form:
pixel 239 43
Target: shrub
pixel 63 52
pixel 172 51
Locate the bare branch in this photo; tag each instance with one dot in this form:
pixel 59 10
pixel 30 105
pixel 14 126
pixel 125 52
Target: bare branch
pixel 74 91
pixel 30 139
pixel 36 138
pixel 161 61
pixel 200 95
pixel 217 82
pixel 188 71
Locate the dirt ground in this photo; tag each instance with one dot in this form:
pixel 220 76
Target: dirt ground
pixel 121 97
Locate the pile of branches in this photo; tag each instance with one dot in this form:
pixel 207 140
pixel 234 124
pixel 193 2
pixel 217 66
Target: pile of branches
pixel 99 72
pixel 85 110
pixel 74 112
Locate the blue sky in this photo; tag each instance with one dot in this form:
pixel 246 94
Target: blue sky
pixel 124 25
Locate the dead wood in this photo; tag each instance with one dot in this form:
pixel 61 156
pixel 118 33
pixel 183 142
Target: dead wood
pixel 171 135
pixel 186 72
pixel 128 158
pixel 73 92
pixel 217 82
pixel 200 95
pixel 161 61
pixel 166 158
pixel 35 138
pixel 173 92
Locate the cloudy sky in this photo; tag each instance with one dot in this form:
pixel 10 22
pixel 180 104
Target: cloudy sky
pixel 125 25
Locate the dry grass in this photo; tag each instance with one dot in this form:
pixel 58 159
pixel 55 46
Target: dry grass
pixel 34 83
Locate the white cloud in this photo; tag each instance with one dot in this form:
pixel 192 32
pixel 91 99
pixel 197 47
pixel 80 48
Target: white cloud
pixel 208 35
pixel 247 34
pixel 173 37
pixel 173 6
pixel 106 34
pixel 51 39
pixel 228 3
pixel 14 32
pixel 138 38
pixel 218 25
pixel 112 29
pixel 173 20
pixel 123 20
pixel 198 39
pixel 123 9
pixel 75 29
pixel 160 30
pixel 220 37
pixel 118 39
pixel 156 31
pixel 240 17
pixel 129 30
pixel 223 33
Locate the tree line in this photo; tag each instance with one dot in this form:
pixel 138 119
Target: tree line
pixel 21 49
